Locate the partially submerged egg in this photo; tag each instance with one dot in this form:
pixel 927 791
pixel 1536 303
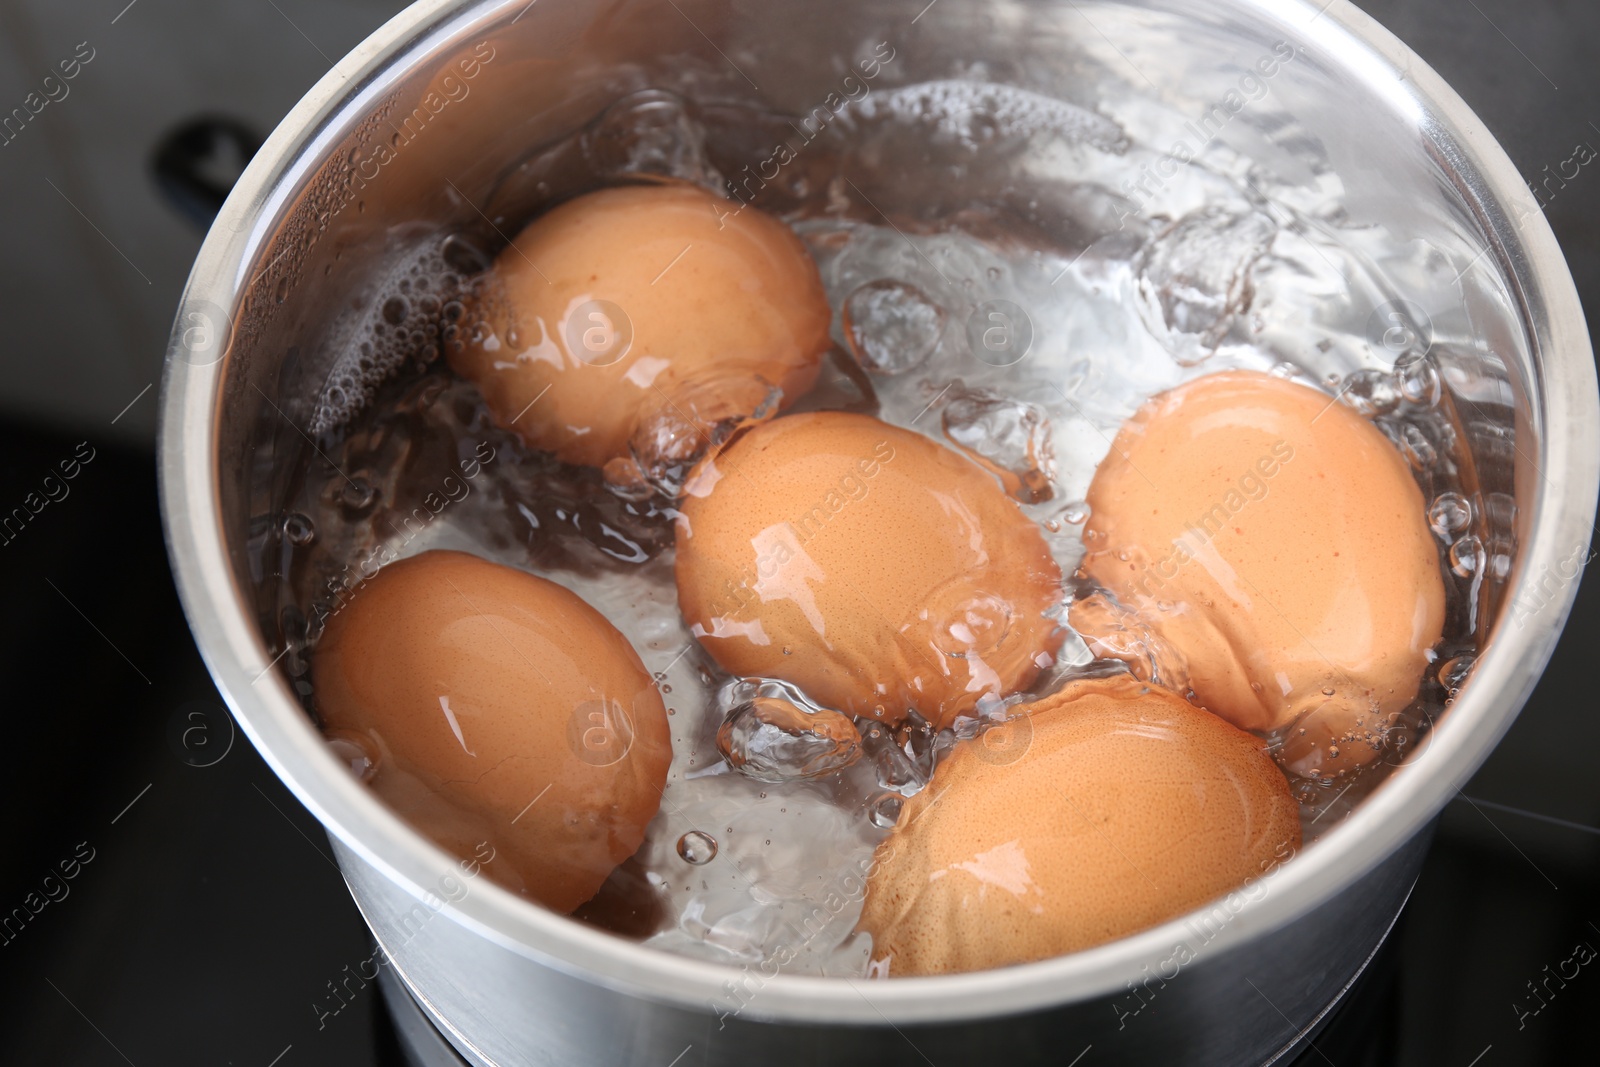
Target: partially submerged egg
pixel 1277 542
pixel 640 321
pixel 497 708
pixel 873 568
pixel 1110 807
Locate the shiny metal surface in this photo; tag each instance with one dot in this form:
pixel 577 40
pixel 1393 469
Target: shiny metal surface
pixel 524 986
pixel 1214 1012
pixel 421 1042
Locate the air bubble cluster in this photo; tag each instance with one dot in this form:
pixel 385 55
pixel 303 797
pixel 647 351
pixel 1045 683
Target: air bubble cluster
pixel 417 312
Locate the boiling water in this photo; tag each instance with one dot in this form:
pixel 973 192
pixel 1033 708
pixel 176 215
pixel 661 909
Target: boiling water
pixel 1016 307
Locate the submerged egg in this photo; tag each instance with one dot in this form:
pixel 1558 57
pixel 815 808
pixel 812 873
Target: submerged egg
pixel 503 710
pixel 1292 545
pixel 874 569
pixel 642 320
pixel 1125 807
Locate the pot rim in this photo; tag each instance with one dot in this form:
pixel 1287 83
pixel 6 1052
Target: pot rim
pixel 1564 415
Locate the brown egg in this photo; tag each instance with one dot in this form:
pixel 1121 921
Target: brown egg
pixel 499 708
pixel 1108 808
pixel 866 564
pixel 646 317
pixel 1278 543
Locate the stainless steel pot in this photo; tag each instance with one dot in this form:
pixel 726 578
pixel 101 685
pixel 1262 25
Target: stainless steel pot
pixel 372 144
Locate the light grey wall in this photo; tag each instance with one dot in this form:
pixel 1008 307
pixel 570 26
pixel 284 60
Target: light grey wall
pixel 92 260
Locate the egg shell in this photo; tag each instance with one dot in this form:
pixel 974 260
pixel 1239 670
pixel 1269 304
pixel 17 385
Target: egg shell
pixel 502 711
pixel 633 308
pixel 1108 808
pixel 873 568
pixel 1278 542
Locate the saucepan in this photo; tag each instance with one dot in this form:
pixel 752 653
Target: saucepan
pixel 1337 131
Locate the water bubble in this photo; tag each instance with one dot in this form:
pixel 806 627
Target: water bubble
pixel 884 812
pixel 357 495
pixel 1466 557
pixel 1405 733
pixel 773 739
pixel 1123 634
pixel 1194 277
pixel 356 751
pixel 1419 380
pixel 1449 514
pixel 650 132
pixel 395 310
pixel 1010 438
pixel 999 333
pixel 1371 392
pixel 895 770
pixel 1501 551
pixel 1414 445
pixel 891 327
pixel 697 847
pixel 1453 672
pixel 1075 513
pixel 1397 328
pixel 298 529
pixel 670 438
pixel 921 742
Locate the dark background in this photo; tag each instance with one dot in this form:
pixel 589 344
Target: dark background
pixel 211 916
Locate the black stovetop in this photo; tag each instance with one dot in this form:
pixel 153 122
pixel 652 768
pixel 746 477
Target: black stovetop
pixel 205 917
